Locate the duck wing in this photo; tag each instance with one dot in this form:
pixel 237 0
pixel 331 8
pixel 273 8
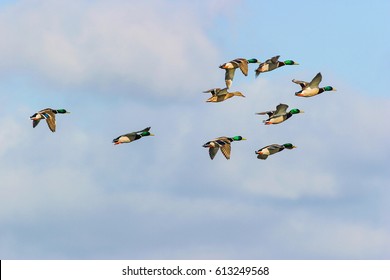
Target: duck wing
pixel 303 84
pixel 213 91
pixel 281 110
pixel 229 75
pixel 35 123
pixel 224 144
pixel 50 118
pixel 213 151
pixel 262 156
pixel 274 59
pixel 243 64
pixel 222 92
pixel 225 149
pixel 274 148
pixel 47 110
pixel 51 122
pixel 269 113
pixel 316 81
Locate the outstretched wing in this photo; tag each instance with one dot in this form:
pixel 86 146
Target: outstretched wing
pixel 35 123
pixel 316 81
pixel 274 59
pixel 303 84
pixel 225 149
pixel 274 148
pixel 224 143
pixel 51 122
pixel 213 151
pixel 269 113
pixel 280 110
pixel 50 118
pixel 262 156
pixel 222 92
pixel 213 91
pixel 243 64
pixel 229 75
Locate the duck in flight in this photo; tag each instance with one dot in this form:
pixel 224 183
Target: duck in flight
pixel 312 88
pixel 49 115
pixel 132 136
pixel 222 143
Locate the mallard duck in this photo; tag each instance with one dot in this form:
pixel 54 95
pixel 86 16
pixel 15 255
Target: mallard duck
pixel 219 95
pixel 223 143
pixel 280 115
pixel 264 152
pixel 49 115
pixel 272 64
pixel 132 136
pixel 312 88
pixel 231 67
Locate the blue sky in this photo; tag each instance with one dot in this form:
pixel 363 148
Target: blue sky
pixel 120 66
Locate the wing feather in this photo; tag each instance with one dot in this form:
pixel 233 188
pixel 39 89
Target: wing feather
pixel 225 149
pixel 50 119
pixel 35 123
pixel 316 81
pixel 244 66
pixel 269 113
pixel 262 156
pixel 229 75
pixel 303 84
pixel 275 59
pixel 280 110
pixel 213 151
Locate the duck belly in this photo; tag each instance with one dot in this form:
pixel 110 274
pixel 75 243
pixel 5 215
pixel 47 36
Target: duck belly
pixel 309 92
pixel 265 152
pixel 276 120
pixel 124 139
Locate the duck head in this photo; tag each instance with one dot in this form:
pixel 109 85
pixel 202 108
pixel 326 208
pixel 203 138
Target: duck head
pixel 289 146
pixel 60 111
pixel 146 133
pixel 296 111
pixel 290 62
pixel 329 88
pixel 238 138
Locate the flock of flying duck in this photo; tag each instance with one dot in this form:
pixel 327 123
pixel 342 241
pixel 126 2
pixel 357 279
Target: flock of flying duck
pixel 308 89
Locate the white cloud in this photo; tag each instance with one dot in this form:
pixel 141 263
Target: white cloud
pixel 150 45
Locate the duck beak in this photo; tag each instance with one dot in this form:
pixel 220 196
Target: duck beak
pixel 151 134
pixel 243 139
pixel 296 63
pixel 301 111
pixel 294 147
pixel 334 89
